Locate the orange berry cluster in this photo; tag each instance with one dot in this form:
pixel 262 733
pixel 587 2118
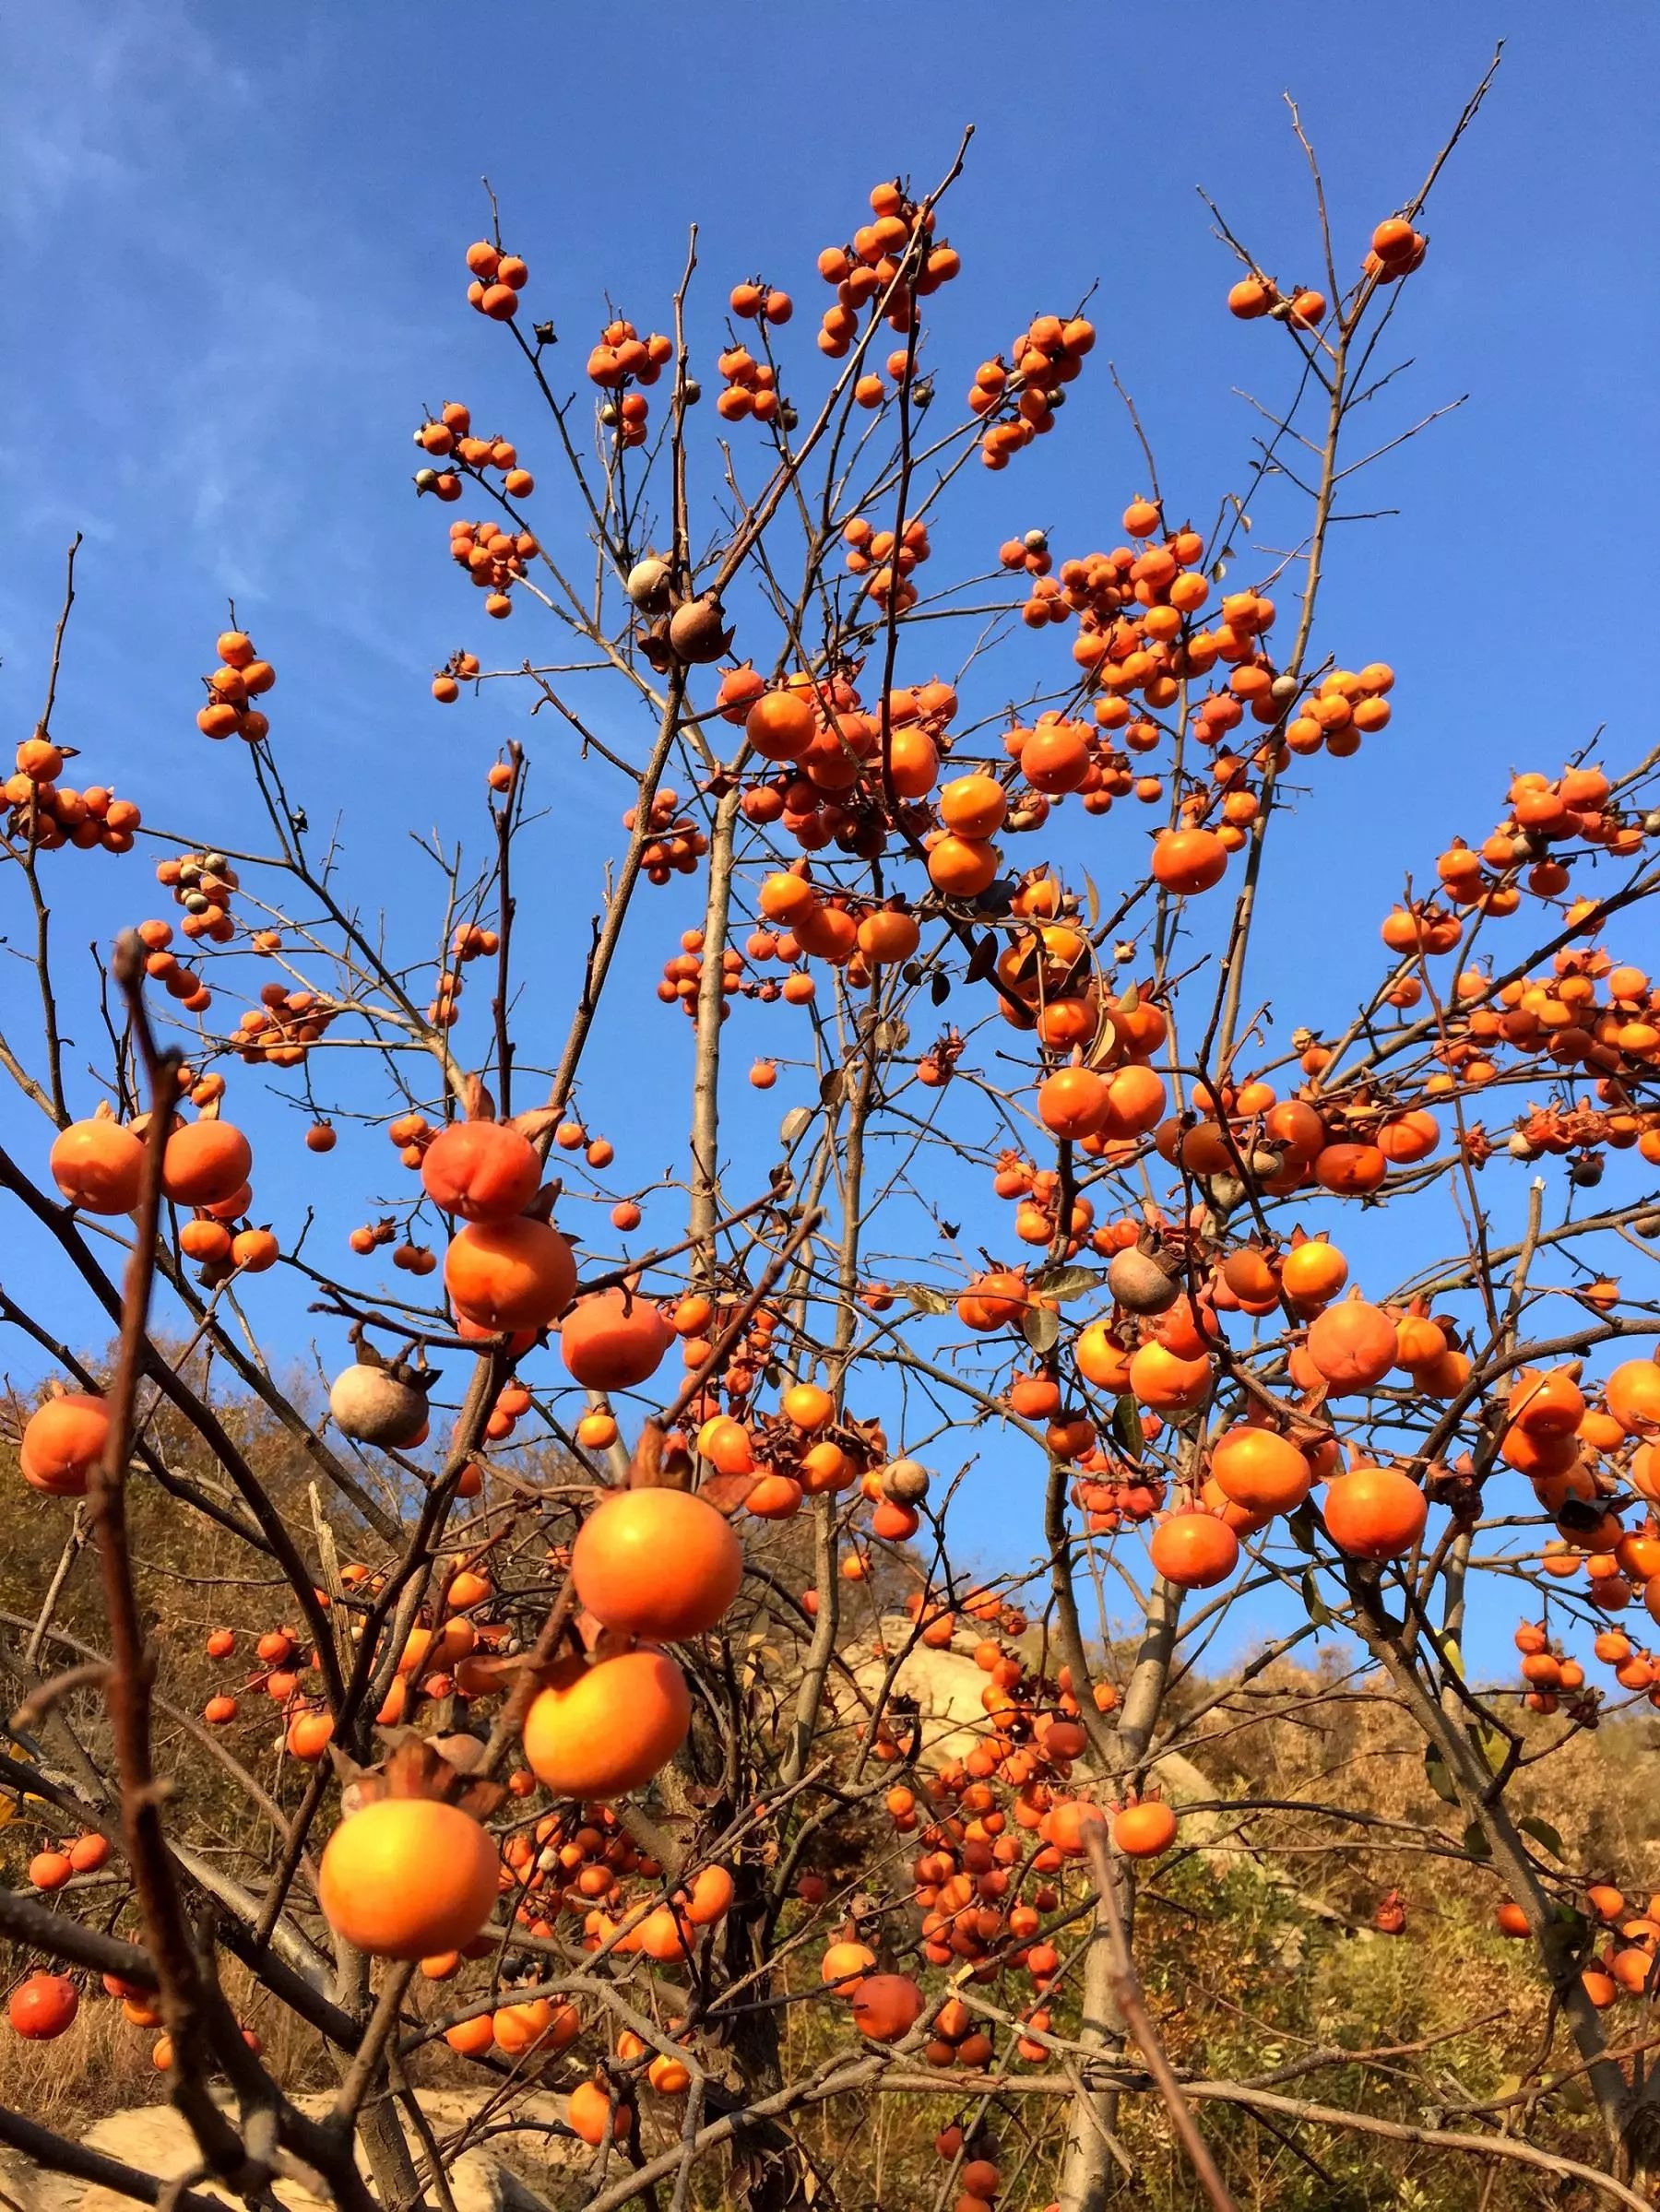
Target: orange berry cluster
pixel 677 843
pixel 208 1239
pixel 801 1452
pixel 372 1235
pixel 281 1029
pixel 1345 706
pixel 1396 250
pixel 442 1011
pixel 1136 608
pixel 512 1403
pixel 1586 1012
pixel 1558 1129
pixel 571 1136
pixel 203 884
pixel 580 1864
pixel 1625 1964
pixel 831 786
pixel 871 392
pixel 473 941
pixel 750 387
pixel 447 680
pixel 497 280
pixel 1036 1191
pixel 1047 357
pixel 452 433
pixel 682 977
pixel 1256 295
pixel 46 814
pixel 863 271
pixel 50 1870
pixel 1114 1498
pixel 493 558
pixel 623 358
pixel 240 676
pixel 758 303
pixel 873 553
pixel 1578 805
pixel 860 938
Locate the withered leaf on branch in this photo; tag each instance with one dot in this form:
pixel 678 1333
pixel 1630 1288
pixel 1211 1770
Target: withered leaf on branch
pixel 416 1766
pixel 537 1123
pixel 660 1462
pixel 727 1493
pixel 476 1102
pixel 542 1206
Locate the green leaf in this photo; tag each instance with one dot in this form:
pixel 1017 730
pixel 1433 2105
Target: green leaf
pixel 1299 1527
pixel 1312 1600
pixel 1040 1326
pixel 1437 1775
pixel 1127 1427
pixel 1068 1282
pixel 1476 1843
pixel 1492 1747
pixel 1542 1832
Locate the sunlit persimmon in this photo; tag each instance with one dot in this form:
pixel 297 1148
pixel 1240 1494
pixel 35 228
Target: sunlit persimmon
pixel 590 2114
pixel 601 1729
pixel 204 1162
pixel 481 1170
pixel 1374 1513
pixel 1194 1550
pixel 886 2006
pixel 1144 1831
pixel 1262 1472
pixel 62 1442
pixel 658 1564
pixel 97 1166
pixel 512 1274
pixel 43 2006
pixel 1352 1344
pixel 613 1340
pixel 408 1876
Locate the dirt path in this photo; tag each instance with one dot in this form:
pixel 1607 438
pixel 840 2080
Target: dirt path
pixel 154 2138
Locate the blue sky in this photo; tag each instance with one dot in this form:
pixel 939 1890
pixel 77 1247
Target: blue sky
pixel 231 249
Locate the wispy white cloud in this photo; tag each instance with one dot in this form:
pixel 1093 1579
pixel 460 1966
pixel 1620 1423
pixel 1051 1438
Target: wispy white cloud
pixel 85 94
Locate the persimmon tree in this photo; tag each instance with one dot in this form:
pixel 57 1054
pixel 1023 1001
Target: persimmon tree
pixel 553 1768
